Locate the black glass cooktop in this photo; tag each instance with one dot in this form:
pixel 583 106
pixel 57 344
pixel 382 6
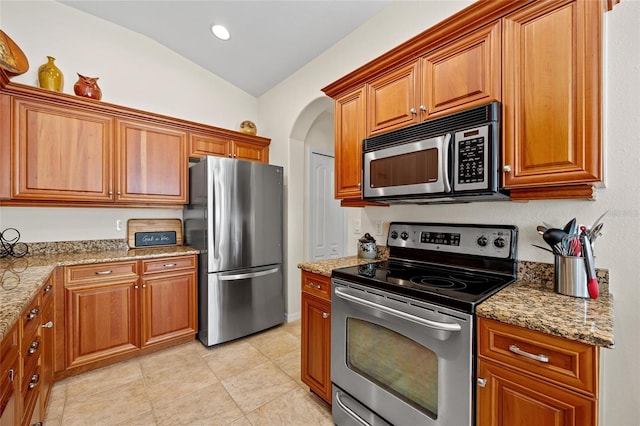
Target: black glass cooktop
pixel 457 288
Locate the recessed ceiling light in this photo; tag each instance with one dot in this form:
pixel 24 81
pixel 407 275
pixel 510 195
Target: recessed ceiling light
pixel 220 31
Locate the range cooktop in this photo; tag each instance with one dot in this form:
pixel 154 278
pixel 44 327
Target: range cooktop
pixel 457 266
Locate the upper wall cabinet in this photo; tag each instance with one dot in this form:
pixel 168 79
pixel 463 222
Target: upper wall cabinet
pixel 458 75
pixel 349 132
pixel 61 153
pixel 58 149
pixel 541 59
pixel 552 94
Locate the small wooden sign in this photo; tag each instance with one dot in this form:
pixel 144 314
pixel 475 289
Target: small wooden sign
pixel 160 238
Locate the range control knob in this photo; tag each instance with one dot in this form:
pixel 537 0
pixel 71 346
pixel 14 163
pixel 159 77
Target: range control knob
pixel 482 241
pixel 499 242
pixel 404 236
pixel 394 235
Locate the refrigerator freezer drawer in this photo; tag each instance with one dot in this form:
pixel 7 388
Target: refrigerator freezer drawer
pixel 234 304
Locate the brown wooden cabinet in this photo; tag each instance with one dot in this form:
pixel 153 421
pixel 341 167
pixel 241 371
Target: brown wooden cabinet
pixel 169 299
pixel 349 131
pixel 316 334
pixel 119 310
pixel 253 148
pixel 61 153
pixel 101 306
pixel 552 94
pixel 530 378
pixel 152 163
pixel 10 395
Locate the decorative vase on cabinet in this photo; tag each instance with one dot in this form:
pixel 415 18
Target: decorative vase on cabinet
pixel 87 87
pixel 49 76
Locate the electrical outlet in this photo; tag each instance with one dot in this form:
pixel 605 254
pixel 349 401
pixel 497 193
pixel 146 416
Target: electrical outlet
pixel 356 226
pixel 119 225
pixel 378 224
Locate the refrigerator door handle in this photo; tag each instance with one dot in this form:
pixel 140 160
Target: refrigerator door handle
pixel 248 275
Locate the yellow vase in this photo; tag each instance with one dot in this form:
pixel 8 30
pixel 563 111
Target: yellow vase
pixel 49 76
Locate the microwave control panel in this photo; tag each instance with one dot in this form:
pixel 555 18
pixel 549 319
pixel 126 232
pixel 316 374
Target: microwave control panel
pixel 471 159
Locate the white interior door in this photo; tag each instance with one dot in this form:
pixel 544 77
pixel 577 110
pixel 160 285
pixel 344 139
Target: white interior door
pixel 326 218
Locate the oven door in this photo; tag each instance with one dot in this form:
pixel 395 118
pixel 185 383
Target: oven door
pixel 417 168
pixel 405 362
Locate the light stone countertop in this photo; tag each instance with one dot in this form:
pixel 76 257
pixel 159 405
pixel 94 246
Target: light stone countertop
pixel 20 278
pixel 531 303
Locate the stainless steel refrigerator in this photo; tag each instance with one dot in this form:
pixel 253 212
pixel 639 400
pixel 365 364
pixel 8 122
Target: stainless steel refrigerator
pixel 235 218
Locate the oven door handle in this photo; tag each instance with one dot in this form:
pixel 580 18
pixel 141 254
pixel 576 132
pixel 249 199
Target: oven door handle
pixel 340 292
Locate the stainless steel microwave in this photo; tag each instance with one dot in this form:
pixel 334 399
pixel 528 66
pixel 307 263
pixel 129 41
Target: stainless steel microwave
pixel 454 158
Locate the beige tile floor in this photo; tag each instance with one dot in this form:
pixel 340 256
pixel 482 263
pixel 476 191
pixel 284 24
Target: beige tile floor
pixel 249 382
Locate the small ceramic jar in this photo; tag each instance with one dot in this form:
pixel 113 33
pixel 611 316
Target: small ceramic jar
pixel 367 248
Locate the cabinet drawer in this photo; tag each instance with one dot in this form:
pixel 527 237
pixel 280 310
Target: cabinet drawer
pixel 31 319
pixel 168 264
pixel 565 362
pixel 101 271
pixel 317 285
pixel 46 292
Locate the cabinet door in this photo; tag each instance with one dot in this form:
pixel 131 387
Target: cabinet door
pixel 349 132
pixel 61 153
pixel 101 320
pixel 201 145
pixel 393 99
pixel 250 151
pixel 552 94
pixel 463 74
pixel 152 163
pixel 168 307
pixel 508 398
pixel 316 345
pixel 10 403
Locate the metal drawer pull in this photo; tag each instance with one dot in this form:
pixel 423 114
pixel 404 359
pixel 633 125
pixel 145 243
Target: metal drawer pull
pixel 48 324
pixel 11 374
pixel 340 292
pixel 33 348
pixel 482 382
pixel 33 313
pixel 325 315
pixel 517 350
pixel 350 412
pixel 103 272
pixel 47 288
pixel 248 275
pixel 34 381
pixel 314 285
pixel 170 265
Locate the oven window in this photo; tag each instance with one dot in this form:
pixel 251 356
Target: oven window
pixel 394 362
pixel 405 169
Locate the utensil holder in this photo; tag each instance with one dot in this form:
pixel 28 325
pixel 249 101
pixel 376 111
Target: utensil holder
pixel 570 276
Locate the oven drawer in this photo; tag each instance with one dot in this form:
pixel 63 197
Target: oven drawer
pixel 316 285
pixel 565 362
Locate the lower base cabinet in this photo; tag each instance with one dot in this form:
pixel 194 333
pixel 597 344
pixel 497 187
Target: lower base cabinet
pixel 528 378
pixel 114 310
pixel 316 334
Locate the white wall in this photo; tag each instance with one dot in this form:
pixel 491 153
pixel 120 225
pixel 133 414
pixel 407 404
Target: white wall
pixel 133 71
pixel 617 250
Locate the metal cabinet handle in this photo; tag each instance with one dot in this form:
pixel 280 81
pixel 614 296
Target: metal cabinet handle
pixel 170 265
pixel 413 111
pixel 34 381
pixel 482 382
pixel 11 374
pixel 103 272
pixel 423 108
pixel 516 350
pixel 325 315
pixel 314 285
pixel 33 348
pixel 47 288
pixel 507 168
pixel 48 324
pixel 33 313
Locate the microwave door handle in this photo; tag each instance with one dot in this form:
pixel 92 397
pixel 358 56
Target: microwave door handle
pixel 445 162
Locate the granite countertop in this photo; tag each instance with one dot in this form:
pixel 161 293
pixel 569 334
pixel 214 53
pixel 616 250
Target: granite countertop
pixel 531 302
pixel 20 278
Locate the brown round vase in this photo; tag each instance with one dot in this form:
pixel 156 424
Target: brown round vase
pixel 87 87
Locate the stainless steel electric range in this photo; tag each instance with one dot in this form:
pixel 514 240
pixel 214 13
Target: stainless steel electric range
pixel 403 330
